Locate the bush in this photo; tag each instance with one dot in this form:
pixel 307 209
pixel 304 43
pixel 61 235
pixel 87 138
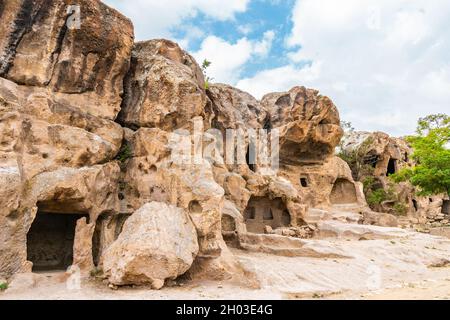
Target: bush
pixel 376 197
pixel 205 66
pixel 3 286
pixel 400 208
pixel 125 153
pixel 356 159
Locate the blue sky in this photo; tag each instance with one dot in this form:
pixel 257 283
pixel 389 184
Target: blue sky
pixel 384 63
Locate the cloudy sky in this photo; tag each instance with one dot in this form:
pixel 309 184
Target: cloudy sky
pixel 384 63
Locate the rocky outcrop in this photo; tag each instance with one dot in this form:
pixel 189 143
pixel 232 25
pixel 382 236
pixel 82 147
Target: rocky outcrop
pixel 158 242
pixel 373 157
pixel 385 154
pixel 114 156
pixel 87 191
pixel 164 87
pixel 60 91
pixel 235 109
pixel 90 61
pixel 308 122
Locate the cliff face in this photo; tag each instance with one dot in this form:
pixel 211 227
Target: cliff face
pixel 91 124
pixel 376 156
pixel 60 91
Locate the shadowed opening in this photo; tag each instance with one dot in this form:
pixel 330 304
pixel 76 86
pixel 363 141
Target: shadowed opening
pixel 263 211
pixel 251 157
pixel 415 205
pixel 446 207
pixel 304 182
pixel 50 241
pixel 392 167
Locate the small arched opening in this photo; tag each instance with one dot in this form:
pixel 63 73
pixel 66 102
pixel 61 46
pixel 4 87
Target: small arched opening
pixel 304 182
pixel 195 207
pixel 263 211
pixel 392 167
pixel 446 207
pixel 415 204
pixel 343 192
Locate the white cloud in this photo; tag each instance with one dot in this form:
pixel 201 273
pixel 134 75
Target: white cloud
pixel 155 18
pixel 263 48
pixel 279 79
pixel 384 63
pixel 228 59
pixel 245 29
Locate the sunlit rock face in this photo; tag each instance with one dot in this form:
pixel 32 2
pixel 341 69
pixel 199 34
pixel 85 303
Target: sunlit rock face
pixel 382 156
pixel 89 121
pixel 60 91
pixel 164 87
pixel 309 124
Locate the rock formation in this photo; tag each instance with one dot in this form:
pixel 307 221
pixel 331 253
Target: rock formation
pixel 374 157
pixel 156 235
pixel 60 91
pixel 114 156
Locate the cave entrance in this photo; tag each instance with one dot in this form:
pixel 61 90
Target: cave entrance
pixel 50 241
pixel 392 167
pixel 343 192
pixel 251 157
pixel 446 207
pixel 415 205
pixel 262 211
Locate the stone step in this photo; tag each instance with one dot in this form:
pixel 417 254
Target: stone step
pixel 288 246
pixel 314 215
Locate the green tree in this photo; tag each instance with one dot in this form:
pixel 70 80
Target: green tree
pixel 205 65
pixel 432 155
pixel 356 158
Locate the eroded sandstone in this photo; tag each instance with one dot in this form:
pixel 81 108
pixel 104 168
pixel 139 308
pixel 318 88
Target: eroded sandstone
pixel 114 157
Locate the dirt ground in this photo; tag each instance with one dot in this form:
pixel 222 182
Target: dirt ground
pixel 434 289
pixel 412 267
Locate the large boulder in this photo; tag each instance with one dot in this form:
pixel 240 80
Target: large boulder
pixel 164 87
pixel 153 173
pixel 309 124
pixel 158 242
pixel 234 109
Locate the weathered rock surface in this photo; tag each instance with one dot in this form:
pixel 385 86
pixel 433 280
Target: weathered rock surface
pixel 39 48
pixel 88 190
pixel 384 153
pixel 309 124
pixel 158 242
pixel 60 91
pixel 159 193
pixel 234 109
pixel 382 156
pixel 164 87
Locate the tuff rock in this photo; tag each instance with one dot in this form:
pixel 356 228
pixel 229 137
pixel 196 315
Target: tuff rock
pixel 156 235
pixel 114 157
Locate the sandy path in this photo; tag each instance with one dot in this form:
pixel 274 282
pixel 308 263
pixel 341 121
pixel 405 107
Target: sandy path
pixel 414 266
